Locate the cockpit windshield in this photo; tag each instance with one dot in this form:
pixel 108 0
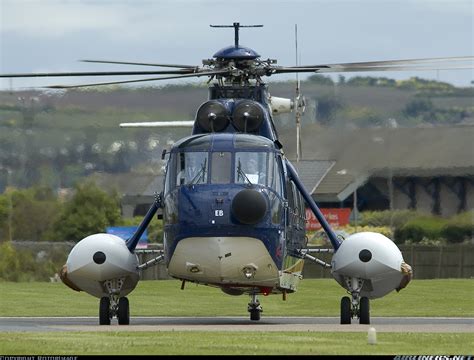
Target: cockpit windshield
pixel 251 167
pixel 216 167
pixel 192 168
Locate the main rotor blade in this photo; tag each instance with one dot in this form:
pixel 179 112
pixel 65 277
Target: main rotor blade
pixel 208 73
pixel 98 73
pixel 393 62
pixel 332 69
pixel 139 63
pixel 393 68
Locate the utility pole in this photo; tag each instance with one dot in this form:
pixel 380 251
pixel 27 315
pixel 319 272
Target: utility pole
pixel 355 210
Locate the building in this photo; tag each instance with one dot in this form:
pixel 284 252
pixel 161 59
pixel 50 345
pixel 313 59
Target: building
pixel 425 169
pixel 136 191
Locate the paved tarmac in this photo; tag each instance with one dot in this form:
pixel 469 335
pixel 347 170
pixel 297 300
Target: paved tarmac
pixel 381 324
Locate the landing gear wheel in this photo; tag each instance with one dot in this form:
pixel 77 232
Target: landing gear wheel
pixel 104 311
pixel 346 310
pixel 123 314
pixel 254 307
pixel 255 314
pixel 364 311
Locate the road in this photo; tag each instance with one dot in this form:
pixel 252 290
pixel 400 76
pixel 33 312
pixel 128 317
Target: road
pixel 325 324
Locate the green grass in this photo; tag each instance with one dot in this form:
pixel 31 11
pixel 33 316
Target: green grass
pixel 315 297
pixel 232 343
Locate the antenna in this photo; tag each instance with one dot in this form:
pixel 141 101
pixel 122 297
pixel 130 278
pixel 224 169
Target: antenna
pixel 296 53
pixel 299 103
pixel 236 27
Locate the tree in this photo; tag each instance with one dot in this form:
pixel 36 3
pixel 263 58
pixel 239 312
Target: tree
pixel 418 107
pixel 327 108
pixel 32 212
pixel 89 211
pixel 320 79
pixel 4 213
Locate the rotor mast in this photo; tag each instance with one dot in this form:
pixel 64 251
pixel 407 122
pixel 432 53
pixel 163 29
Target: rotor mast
pixel 236 27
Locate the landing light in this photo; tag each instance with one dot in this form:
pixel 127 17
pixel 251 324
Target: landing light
pixel 194 269
pixel 249 271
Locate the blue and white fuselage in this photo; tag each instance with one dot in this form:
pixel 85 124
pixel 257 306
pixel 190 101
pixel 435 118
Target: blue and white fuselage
pixel 227 223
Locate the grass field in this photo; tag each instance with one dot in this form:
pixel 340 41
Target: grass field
pixel 232 343
pixel 315 297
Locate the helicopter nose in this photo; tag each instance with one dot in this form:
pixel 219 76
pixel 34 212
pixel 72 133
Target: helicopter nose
pixel 249 206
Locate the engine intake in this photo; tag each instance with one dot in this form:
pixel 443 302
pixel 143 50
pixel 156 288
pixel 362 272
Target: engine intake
pixel 212 116
pixel 247 116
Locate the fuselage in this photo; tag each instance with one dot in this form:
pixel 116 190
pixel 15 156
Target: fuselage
pixel 228 219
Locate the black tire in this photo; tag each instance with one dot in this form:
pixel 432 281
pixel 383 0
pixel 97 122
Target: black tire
pixel 255 314
pixel 104 311
pixel 364 311
pixel 123 314
pixel 345 310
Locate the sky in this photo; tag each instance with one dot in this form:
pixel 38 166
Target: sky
pixel 51 35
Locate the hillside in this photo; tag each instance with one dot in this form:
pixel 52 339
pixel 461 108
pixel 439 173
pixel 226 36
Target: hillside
pixel 56 138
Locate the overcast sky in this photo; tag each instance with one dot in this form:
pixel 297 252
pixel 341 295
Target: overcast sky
pixel 51 35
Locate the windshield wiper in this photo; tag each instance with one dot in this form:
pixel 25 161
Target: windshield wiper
pixel 242 174
pixel 200 174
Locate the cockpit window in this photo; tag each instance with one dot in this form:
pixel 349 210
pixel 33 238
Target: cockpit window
pixel 250 141
pixel 251 167
pixel 221 167
pixel 191 168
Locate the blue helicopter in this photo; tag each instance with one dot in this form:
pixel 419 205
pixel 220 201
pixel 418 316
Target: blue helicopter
pixel 233 206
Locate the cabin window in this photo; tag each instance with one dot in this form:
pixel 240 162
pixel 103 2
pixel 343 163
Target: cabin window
pixel 251 167
pixel 191 168
pixel 290 195
pixel 221 167
pixel 170 175
pixel 275 181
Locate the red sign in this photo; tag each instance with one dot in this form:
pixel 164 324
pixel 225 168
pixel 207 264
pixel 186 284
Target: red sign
pixel 335 217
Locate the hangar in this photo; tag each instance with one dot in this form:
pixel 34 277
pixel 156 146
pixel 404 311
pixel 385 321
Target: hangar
pixel 425 169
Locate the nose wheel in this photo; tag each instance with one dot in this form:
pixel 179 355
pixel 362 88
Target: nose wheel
pixel 356 306
pixel 254 308
pixel 110 308
pixel 346 310
pixel 364 311
pixel 114 306
pixel 104 311
pixel 123 313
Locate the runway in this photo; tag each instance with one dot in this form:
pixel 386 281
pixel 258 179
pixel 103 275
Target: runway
pixel 381 324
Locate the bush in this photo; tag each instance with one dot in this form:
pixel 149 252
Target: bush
pixel 320 238
pixel 420 228
pixel 25 265
pixel 364 116
pixel 418 107
pixel 155 228
pixel 459 228
pixel 384 230
pixel 9 262
pixel 396 218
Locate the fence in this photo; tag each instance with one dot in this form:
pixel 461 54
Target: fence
pixel 428 262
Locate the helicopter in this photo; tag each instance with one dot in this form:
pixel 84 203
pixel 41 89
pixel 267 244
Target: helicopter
pixel 233 206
